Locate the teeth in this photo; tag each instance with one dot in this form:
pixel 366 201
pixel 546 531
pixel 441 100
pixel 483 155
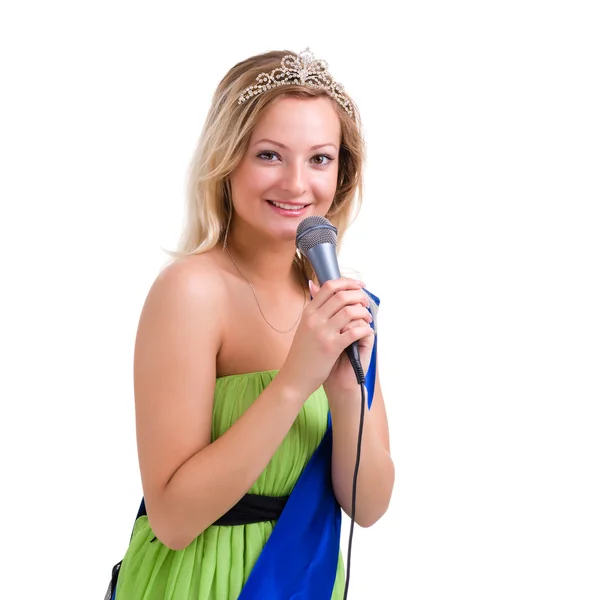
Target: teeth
pixel 287 206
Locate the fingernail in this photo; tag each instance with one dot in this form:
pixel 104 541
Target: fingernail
pixel 310 286
pixel 361 283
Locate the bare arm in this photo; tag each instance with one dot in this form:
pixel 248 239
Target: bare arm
pixel 376 470
pixel 188 482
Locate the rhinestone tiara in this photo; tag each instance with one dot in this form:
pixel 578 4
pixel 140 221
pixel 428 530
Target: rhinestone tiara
pixel 302 69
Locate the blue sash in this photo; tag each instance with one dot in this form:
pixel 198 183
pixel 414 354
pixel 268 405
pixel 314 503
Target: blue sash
pixel 299 560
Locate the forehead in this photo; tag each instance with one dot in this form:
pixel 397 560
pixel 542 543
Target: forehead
pixel 302 120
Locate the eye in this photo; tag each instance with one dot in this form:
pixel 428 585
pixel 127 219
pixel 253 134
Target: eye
pixel 266 156
pixel 324 159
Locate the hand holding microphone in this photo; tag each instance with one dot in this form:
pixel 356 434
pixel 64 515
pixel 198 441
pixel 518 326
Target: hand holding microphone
pixel 336 318
pixel 343 376
pixel 318 341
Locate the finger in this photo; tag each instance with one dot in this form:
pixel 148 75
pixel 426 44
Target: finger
pixel 355 333
pixel 342 299
pixel 331 287
pixel 348 314
pixel 355 323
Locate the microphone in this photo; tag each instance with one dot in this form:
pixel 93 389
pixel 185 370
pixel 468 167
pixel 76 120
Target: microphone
pixel 316 238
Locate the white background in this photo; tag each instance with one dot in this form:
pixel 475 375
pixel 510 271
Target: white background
pixel 480 233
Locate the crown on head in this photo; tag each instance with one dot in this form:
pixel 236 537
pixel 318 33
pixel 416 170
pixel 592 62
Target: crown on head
pixel 302 69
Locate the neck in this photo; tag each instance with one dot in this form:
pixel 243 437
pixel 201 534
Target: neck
pixel 267 263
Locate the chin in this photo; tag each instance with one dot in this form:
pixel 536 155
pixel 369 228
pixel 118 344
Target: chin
pixel 286 229
pixel 288 233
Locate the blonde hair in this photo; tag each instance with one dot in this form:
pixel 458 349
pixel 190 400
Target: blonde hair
pixel 223 142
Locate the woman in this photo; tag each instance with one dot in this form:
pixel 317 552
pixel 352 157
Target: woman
pixel 247 408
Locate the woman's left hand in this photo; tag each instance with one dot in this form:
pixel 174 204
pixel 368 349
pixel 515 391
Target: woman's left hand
pixel 342 378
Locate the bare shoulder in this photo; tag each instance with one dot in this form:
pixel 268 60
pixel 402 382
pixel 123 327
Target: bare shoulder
pixel 187 281
pixel 178 339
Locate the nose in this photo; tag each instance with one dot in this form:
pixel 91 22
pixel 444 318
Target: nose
pixel 294 179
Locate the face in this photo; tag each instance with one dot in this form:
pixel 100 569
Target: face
pixel 292 161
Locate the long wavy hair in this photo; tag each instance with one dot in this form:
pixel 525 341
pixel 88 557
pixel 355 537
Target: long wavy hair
pixel 223 142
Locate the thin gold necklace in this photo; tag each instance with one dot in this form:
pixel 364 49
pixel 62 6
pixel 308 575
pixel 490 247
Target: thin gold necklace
pixel 258 303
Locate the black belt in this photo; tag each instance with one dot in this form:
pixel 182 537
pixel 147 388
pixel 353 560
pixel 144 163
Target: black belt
pixel 252 508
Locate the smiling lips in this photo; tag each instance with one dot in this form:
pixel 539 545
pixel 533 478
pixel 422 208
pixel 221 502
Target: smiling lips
pixel 288 209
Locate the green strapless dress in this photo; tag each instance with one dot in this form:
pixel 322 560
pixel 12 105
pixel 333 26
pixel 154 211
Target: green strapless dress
pixel 217 563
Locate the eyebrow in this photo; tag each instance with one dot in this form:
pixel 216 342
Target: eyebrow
pixel 286 148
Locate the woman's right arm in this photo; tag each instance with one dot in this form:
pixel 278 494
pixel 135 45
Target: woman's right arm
pixel 188 482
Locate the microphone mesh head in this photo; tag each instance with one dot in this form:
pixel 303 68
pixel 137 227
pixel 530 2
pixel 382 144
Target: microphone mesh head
pixel 313 231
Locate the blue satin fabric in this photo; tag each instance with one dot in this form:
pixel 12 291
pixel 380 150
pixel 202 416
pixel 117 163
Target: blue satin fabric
pixel 299 560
